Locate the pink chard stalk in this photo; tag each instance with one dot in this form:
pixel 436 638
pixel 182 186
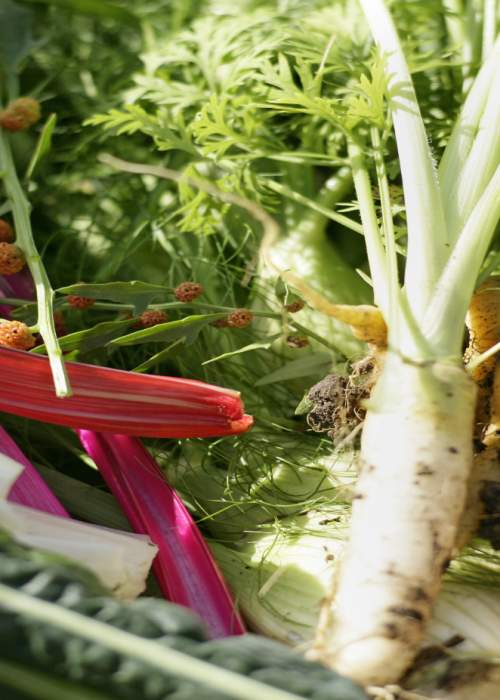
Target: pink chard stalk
pixel 184 566
pixel 29 489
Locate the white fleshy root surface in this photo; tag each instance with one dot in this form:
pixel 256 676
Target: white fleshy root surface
pixel 416 458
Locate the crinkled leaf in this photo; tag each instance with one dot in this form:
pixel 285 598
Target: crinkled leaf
pixel 139 294
pixel 56 619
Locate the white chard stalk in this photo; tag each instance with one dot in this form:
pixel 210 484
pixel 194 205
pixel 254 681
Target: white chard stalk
pixel 416 448
pixel 120 560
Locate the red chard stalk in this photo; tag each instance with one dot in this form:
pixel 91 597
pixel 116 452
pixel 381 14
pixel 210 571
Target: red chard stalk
pixel 110 400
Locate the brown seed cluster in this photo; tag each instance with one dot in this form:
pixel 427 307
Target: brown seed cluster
pixel 6 232
pixel 239 318
pixel 150 318
pixel 294 306
pixel 12 259
pixel 297 341
pixel 16 335
pixel 188 291
pixel 80 302
pixel 20 114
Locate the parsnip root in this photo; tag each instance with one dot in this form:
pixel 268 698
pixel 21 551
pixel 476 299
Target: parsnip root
pixel 416 457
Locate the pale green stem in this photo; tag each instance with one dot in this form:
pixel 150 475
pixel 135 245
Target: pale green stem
pixel 456 24
pixel 44 291
pixel 471 366
pixel 404 334
pixel 374 246
pixel 267 222
pixel 388 228
pixel 463 138
pixel 146 651
pixel 321 209
pixel 428 242
pixel 489 27
pixel 469 182
pixel 471 49
pixel 493 262
pixel 443 324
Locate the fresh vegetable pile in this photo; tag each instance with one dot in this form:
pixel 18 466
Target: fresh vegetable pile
pixel 263 237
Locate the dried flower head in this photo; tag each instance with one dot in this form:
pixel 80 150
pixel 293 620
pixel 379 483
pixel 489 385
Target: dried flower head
pixel 16 335
pixel 12 259
pixel 297 341
pixel 20 114
pixel 220 323
pixel 6 232
pixel 150 318
pixel 295 306
pixel 79 302
pixel 188 291
pixel 239 318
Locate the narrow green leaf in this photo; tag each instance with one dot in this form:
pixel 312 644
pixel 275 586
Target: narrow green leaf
pixel 264 345
pixel 315 363
pixel 187 328
pixel 43 145
pixel 158 357
pixel 139 294
pixel 91 338
pixel 84 501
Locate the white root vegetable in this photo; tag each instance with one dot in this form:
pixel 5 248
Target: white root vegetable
pixel 416 458
pixel 417 438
